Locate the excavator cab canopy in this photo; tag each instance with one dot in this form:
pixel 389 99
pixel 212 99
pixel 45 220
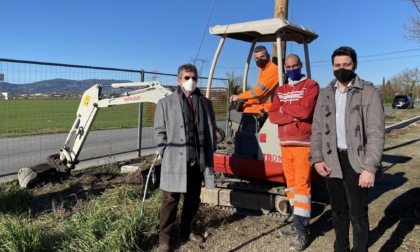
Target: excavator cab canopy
pixel 266 30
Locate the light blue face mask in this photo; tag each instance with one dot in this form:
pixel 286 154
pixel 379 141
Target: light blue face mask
pixel 294 74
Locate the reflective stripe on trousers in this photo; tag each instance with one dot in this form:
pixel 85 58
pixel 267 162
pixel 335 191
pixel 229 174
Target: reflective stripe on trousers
pixel 297 170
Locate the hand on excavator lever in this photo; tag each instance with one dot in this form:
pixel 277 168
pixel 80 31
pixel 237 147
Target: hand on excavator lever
pixel 233 98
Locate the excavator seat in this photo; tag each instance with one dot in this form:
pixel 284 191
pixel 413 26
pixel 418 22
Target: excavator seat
pixel 243 122
pixel 246 138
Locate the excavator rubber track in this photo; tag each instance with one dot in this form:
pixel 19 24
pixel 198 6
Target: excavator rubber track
pixel 249 198
pixel 260 214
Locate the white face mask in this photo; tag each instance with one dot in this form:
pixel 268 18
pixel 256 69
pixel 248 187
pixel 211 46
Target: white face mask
pixel 189 85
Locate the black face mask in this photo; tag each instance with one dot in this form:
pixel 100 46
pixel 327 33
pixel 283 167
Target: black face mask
pixel 344 75
pixel 261 63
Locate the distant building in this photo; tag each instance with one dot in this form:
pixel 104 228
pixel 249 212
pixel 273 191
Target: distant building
pixel 57 95
pixel 6 95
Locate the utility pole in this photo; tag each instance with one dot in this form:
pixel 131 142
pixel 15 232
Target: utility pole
pixel 280 11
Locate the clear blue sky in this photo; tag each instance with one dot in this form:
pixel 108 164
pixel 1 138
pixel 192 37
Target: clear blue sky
pixel 161 35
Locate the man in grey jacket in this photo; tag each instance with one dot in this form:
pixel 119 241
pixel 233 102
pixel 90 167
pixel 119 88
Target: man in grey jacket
pixel 347 141
pixel 184 131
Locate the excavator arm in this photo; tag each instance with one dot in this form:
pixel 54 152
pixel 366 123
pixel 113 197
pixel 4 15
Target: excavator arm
pixel 89 107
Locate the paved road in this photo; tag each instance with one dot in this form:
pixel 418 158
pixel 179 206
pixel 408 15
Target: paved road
pixel 99 147
pixel 388 110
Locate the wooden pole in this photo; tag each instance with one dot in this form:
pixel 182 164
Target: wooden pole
pixel 280 11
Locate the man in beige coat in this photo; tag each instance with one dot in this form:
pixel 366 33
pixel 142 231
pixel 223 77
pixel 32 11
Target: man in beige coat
pixel 347 141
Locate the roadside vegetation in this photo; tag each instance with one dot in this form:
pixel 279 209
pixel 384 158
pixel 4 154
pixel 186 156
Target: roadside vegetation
pixel 405 82
pixel 399 115
pixel 75 216
pixel 98 209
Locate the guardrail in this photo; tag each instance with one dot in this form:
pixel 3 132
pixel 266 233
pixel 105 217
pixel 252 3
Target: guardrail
pixel 401 124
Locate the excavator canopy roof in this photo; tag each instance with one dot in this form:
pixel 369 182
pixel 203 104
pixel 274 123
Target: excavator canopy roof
pixel 265 30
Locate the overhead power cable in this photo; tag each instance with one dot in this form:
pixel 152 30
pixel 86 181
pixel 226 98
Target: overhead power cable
pixel 204 33
pixel 372 55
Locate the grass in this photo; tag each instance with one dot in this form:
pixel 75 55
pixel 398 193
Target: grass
pixel 400 115
pixel 109 221
pixel 97 209
pixel 50 116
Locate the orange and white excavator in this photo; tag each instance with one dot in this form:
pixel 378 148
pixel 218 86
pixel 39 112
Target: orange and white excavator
pixel 248 165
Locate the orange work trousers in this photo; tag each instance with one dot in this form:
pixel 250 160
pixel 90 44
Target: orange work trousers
pixel 297 170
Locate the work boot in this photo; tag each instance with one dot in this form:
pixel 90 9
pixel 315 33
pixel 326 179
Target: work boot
pixel 164 247
pixel 288 231
pixel 299 242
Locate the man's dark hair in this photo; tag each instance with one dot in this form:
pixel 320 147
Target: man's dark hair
pixel 260 48
pixel 345 51
pixel 187 68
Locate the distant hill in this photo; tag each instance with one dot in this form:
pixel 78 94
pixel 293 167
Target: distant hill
pixel 54 86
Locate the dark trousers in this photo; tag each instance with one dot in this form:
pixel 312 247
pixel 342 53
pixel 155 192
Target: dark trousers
pixel 348 204
pixel 190 207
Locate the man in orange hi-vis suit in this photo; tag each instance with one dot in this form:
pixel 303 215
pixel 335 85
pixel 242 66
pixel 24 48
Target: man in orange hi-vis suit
pixel 258 99
pixel 292 110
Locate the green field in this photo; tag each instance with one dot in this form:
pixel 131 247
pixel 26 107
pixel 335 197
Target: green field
pixel 50 116
pixel 47 116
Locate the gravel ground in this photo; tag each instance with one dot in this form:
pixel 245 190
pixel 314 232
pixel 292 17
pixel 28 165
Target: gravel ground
pixel 393 210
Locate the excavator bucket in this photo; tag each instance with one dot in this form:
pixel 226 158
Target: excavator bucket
pixel 27 175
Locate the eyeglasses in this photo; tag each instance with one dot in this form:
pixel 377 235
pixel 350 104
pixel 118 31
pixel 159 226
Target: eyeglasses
pixel 189 77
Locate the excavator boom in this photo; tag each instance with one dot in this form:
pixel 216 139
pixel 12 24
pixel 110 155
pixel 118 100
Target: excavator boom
pixel 89 106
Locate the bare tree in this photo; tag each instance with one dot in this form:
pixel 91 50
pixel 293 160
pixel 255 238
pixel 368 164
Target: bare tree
pixel 412 29
pixel 234 83
pixel 407 82
pixel 416 94
pixel 411 78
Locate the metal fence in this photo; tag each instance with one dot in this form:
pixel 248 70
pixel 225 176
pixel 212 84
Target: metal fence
pixel 24 140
